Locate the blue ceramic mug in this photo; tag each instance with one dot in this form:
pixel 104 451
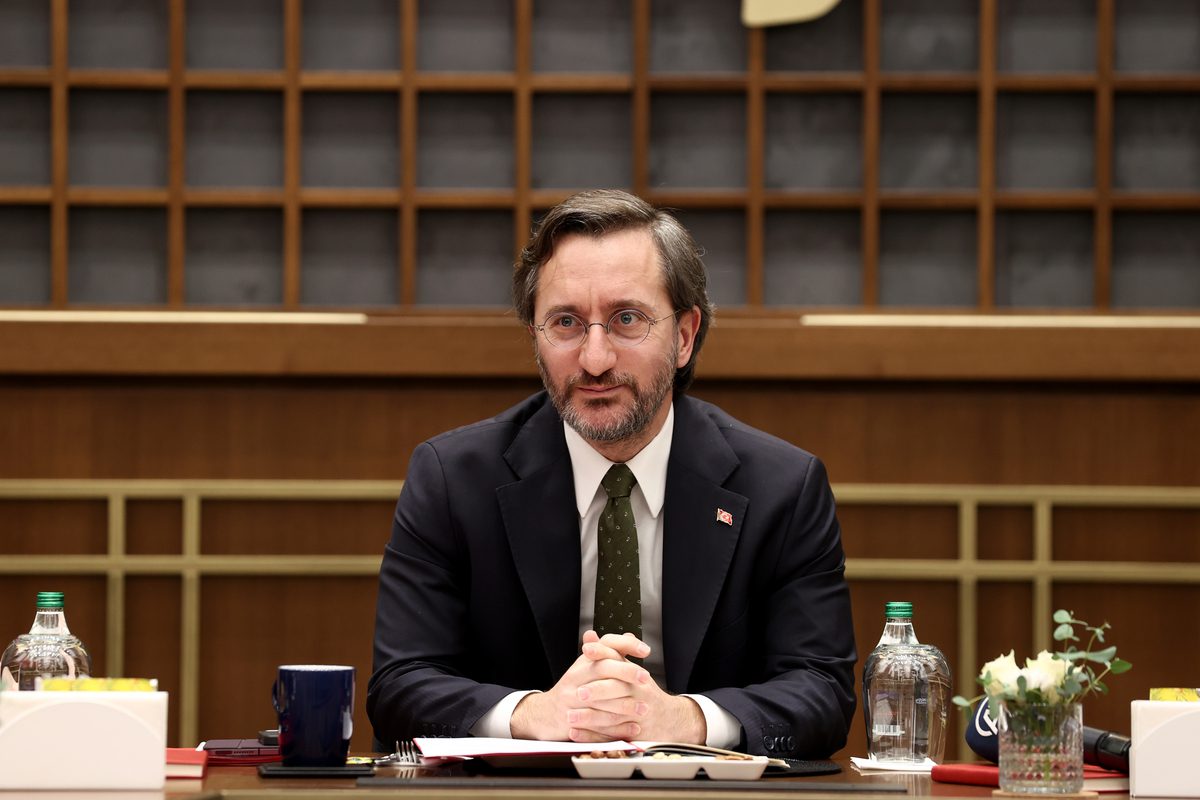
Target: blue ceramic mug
pixel 315 703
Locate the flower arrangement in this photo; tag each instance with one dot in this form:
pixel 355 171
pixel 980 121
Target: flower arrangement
pixel 1037 710
pixel 1057 678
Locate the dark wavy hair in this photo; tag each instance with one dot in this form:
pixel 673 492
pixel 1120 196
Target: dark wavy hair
pixel 603 211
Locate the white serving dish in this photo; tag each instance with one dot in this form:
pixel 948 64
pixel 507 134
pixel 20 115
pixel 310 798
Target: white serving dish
pixel 684 768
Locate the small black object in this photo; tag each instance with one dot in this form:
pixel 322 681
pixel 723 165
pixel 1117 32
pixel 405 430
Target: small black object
pixel 1106 749
pixel 346 771
pixel 269 737
pixel 799 766
pixel 249 748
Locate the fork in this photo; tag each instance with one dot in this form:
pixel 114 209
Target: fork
pixel 407 754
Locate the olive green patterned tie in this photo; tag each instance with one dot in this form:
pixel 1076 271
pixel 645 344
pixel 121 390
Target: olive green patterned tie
pixel 618 579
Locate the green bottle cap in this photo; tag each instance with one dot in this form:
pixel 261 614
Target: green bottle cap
pixel 895 609
pixel 50 599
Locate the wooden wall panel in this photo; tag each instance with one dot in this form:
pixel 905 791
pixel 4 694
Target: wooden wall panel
pixel 152 630
pixel 319 527
pixel 1004 622
pixel 1127 534
pixel 1005 533
pixel 867 432
pixel 226 428
pixel 153 527
pixel 982 433
pixel 892 531
pixel 251 625
pixel 29 527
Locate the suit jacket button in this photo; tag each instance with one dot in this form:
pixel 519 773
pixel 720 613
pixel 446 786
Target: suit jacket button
pixel 769 744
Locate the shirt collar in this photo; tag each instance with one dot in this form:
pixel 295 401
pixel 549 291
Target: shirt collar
pixel 649 466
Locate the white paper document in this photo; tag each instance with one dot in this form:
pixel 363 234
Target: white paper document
pixel 476 746
pixel 875 765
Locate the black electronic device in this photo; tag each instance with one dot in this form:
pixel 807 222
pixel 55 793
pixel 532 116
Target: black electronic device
pixel 1106 749
pixel 980 734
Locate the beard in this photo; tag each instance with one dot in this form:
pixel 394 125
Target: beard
pixel 622 425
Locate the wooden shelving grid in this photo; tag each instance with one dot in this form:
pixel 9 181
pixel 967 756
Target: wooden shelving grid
pixel 874 127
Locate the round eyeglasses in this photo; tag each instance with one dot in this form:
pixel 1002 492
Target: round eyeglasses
pixel 627 327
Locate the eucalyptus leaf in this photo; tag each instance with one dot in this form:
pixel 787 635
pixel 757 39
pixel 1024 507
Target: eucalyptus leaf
pixel 1062 615
pixel 1119 665
pixel 994 707
pixel 1064 632
pixel 1103 656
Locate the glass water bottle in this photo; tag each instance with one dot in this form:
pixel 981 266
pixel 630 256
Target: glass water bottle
pixel 906 693
pixel 49 650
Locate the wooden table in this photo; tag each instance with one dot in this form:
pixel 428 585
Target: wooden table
pixel 243 783
pixel 234 783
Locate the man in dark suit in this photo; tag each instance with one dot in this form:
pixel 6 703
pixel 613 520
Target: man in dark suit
pixel 612 559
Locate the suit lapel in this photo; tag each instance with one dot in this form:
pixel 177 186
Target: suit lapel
pixel 542 524
pixel 697 546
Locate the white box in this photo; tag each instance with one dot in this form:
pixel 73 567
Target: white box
pixel 1166 739
pixel 83 740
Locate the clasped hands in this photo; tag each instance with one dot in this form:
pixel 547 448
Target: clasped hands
pixel 605 697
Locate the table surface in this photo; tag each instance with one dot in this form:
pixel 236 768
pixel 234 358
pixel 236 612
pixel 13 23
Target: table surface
pixel 234 783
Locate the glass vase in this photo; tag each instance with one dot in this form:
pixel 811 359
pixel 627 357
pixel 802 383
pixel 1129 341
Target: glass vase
pixel 1041 748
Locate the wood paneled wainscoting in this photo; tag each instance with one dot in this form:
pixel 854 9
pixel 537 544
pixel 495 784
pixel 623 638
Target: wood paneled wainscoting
pixel 214 497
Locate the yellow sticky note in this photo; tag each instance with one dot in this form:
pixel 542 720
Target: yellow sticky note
pixel 1176 695
pixel 97 684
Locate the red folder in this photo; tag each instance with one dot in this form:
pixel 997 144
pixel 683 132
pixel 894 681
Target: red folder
pixel 1095 779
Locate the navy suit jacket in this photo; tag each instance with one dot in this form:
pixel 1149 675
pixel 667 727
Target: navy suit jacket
pixel 479 586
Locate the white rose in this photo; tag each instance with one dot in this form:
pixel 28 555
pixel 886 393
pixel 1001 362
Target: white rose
pixel 1000 676
pixel 1046 674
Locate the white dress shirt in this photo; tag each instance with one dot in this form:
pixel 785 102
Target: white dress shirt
pixel 649 466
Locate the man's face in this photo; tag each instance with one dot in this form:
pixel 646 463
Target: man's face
pixel 611 394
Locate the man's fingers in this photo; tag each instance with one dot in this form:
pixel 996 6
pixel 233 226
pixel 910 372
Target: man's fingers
pixel 615 646
pixel 596 651
pixel 598 691
pixel 595 727
pixel 587 670
pixel 625 733
pixel 626 644
pixel 626 673
pixel 621 708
